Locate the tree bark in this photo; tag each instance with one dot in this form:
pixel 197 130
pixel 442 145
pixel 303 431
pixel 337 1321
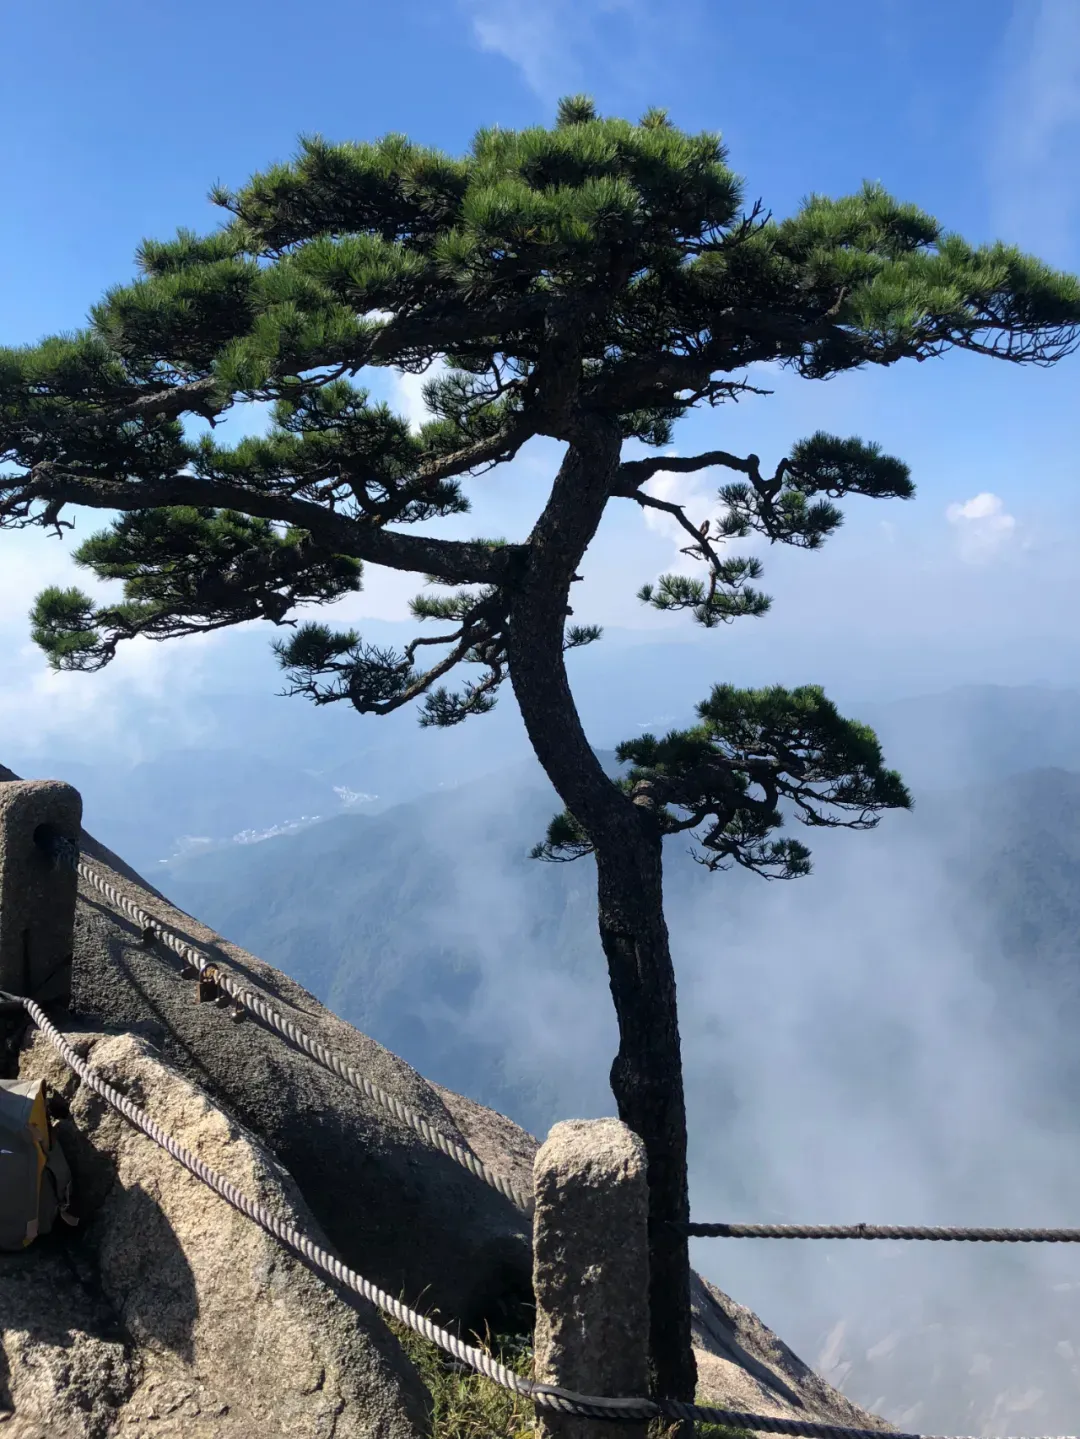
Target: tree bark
pixel 646 1076
pixel 647 1081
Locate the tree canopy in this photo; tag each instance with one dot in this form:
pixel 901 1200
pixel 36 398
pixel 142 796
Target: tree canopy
pixel 597 272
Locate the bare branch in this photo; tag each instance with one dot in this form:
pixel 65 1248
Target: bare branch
pixel 633 473
pixel 414 645
pixel 423 682
pixel 701 546
pixel 170 401
pixel 345 684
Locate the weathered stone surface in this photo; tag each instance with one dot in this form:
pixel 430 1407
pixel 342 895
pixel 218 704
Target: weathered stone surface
pixel 234 1336
pixel 741 1363
pixel 591 1268
pixel 65 1366
pixel 37 896
pixel 506 1148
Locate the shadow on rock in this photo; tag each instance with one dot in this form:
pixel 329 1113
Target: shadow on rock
pixel 66 1368
pixel 149 1278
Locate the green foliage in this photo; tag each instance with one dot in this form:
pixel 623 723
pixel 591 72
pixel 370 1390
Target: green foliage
pixel 726 596
pixel 593 271
pixel 441 708
pixel 319 442
pixel 51 412
pixel 445 607
pixel 185 571
pixel 62 623
pixel 575 110
pixel 566 839
pixel 180 318
pixel 754 755
pixel 327 665
pixel 826 464
pixel 577 636
pixel 465 1405
pixel 821 465
pixel 187 251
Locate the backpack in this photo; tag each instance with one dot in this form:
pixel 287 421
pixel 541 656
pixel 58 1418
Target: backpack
pixel 35 1181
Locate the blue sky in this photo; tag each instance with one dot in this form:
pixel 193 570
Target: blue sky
pixel 118 117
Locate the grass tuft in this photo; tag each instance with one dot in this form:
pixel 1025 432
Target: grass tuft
pixel 465 1405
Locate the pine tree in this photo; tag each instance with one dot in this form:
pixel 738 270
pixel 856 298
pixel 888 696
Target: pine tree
pixel 592 283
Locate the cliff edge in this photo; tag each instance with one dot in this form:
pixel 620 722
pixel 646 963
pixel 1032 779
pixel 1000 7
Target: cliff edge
pixel 167 1313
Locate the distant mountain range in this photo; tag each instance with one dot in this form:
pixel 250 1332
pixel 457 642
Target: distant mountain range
pixel 268 765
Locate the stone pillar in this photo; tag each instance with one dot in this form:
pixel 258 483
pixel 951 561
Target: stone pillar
pixel 591 1271
pixel 37 892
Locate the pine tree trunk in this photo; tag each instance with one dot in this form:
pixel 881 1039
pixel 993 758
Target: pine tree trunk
pixel 647 1073
pixel 647 1081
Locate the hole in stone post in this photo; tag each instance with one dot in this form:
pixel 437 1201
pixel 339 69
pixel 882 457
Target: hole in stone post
pixel 52 844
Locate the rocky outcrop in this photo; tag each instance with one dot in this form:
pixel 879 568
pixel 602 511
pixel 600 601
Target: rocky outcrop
pixel 367 1177
pixel 66 1367
pixel 172 1314
pixel 743 1365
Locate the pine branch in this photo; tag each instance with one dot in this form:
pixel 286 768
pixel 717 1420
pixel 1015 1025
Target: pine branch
pixel 727 780
pixel 52 487
pixel 327 668
pixel 632 474
pixel 500 447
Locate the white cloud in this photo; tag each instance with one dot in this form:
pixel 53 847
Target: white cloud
pixel 983 527
pixel 385 596
pixel 565 46
pixel 696 494
pixel 1033 168
pixel 32 561
pixel 525 34
pixel 40 708
pixel 540 36
pixel 408 394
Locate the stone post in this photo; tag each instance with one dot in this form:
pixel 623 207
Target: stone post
pixel 591 1271
pixel 37 892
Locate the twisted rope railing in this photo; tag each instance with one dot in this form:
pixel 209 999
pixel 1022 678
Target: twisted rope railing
pixel 879 1231
pixel 546 1396
pixel 68 853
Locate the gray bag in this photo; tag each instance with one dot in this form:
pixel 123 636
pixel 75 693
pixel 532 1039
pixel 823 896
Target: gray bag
pixel 35 1181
